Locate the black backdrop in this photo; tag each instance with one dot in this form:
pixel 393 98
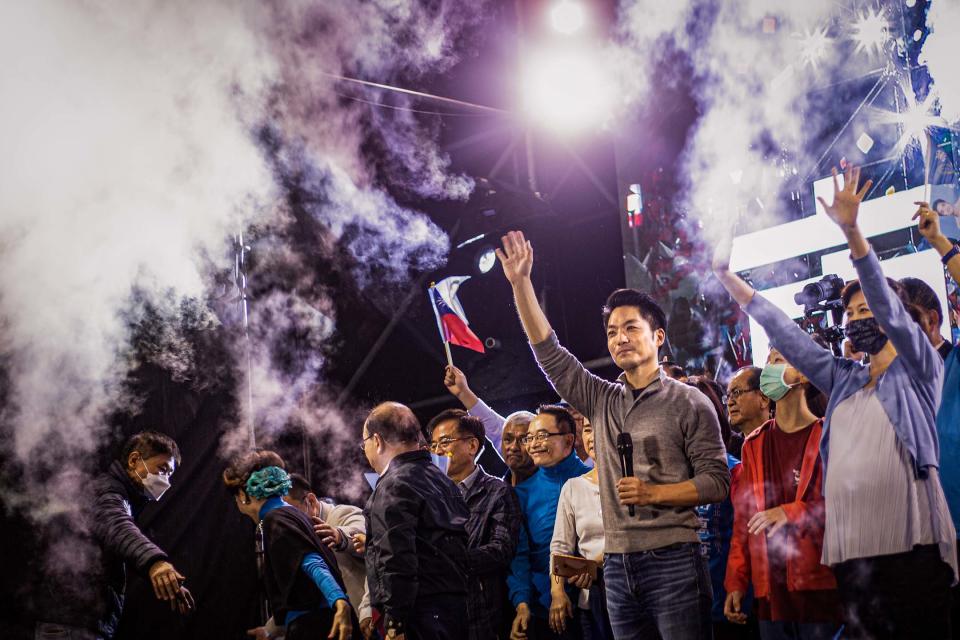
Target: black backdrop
pixel 196 523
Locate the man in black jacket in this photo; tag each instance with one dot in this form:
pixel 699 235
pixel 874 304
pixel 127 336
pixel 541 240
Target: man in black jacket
pixel 494 523
pixel 141 474
pixel 416 549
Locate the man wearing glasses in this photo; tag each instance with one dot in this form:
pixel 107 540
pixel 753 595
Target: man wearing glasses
pixel 748 408
pixel 549 441
pixel 494 522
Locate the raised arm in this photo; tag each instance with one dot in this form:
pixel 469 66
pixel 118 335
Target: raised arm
pixel 516 257
pixel 571 380
pixel 456 383
pixel 797 347
pixel 929 226
pixel 906 335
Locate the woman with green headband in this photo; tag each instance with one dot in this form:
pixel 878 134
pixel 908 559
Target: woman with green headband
pixel 303 583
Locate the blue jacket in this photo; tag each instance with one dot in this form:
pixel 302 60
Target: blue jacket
pixel 716 529
pixel 948 428
pixel 529 579
pixel 909 389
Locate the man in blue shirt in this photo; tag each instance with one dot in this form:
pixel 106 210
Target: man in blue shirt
pixel 549 441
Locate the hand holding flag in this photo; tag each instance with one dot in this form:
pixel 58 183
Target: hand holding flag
pixel 451 320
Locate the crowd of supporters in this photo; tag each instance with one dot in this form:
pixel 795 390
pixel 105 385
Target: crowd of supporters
pixel 813 497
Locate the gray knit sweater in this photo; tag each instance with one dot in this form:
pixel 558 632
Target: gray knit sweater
pixel 676 437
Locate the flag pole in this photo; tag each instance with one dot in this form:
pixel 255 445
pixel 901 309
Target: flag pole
pixel 926 167
pixel 443 334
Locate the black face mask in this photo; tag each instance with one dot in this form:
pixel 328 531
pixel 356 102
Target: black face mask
pixel 865 335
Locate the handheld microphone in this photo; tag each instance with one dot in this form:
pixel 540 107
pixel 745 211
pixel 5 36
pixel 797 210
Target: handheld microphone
pixel 625 448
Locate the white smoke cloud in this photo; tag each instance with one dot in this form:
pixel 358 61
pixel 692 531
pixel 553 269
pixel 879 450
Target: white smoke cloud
pixel 132 155
pixel 752 88
pixel 940 55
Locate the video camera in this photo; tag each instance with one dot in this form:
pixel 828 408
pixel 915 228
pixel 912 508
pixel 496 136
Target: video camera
pixel 823 310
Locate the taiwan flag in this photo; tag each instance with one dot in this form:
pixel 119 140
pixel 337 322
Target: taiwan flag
pixel 451 320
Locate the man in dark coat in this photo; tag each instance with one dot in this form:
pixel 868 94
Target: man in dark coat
pixel 416 548
pixel 141 474
pixel 494 523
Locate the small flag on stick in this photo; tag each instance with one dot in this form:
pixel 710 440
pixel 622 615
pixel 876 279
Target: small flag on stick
pixel 451 320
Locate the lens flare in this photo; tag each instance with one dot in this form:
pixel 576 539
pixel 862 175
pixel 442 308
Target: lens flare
pixel 567 89
pixel 871 31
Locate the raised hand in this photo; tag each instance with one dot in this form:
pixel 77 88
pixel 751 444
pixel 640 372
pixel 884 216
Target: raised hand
pixel 455 381
pixel 929 223
pixel 516 257
pixel 721 254
pixel 846 201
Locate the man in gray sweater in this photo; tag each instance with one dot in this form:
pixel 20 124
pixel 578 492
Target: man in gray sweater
pixel 656 580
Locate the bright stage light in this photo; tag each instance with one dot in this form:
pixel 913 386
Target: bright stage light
pixel 871 31
pixel 813 46
pixel 915 118
pixel 567 16
pixel 566 89
pixel 486 259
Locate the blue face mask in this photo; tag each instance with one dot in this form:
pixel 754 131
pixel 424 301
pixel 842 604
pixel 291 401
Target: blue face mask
pixel 772 383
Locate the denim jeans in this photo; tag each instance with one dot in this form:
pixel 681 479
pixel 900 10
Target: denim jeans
pixel 662 593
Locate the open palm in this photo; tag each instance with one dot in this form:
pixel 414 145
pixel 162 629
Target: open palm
pixel 846 201
pixel 516 257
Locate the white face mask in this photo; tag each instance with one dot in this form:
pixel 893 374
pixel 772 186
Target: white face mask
pixel 155 485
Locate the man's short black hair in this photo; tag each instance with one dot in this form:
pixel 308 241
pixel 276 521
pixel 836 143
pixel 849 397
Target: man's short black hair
pixel 395 423
pixel 753 380
pixel 937 203
pixel 562 415
pixel 753 375
pixel 443 416
pixel 301 487
pixel 149 444
pixel 922 295
pixel 467 425
pixel 649 309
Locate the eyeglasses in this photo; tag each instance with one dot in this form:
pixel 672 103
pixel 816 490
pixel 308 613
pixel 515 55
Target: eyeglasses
pixel 736 393
pixel 443 443
pixel 540 437
pixel 363 442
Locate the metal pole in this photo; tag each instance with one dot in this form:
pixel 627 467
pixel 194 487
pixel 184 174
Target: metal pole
pixel 240 279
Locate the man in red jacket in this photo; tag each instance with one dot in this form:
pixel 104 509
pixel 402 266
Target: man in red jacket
pixel 779 519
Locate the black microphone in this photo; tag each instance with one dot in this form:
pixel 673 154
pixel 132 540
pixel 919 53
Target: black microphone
pixel 625 448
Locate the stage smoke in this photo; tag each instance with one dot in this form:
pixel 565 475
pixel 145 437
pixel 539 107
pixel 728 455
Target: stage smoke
pixel 140 137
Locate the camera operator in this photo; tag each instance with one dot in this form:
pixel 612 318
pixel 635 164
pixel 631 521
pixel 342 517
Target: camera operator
pixel 879 445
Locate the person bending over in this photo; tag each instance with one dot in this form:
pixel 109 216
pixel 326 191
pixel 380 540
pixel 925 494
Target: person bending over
pixel 303 582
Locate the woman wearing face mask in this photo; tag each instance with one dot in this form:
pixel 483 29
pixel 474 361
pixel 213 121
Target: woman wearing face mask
pixel 303 583
pixel 779 518
pixel 578 530
pixel 888 535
